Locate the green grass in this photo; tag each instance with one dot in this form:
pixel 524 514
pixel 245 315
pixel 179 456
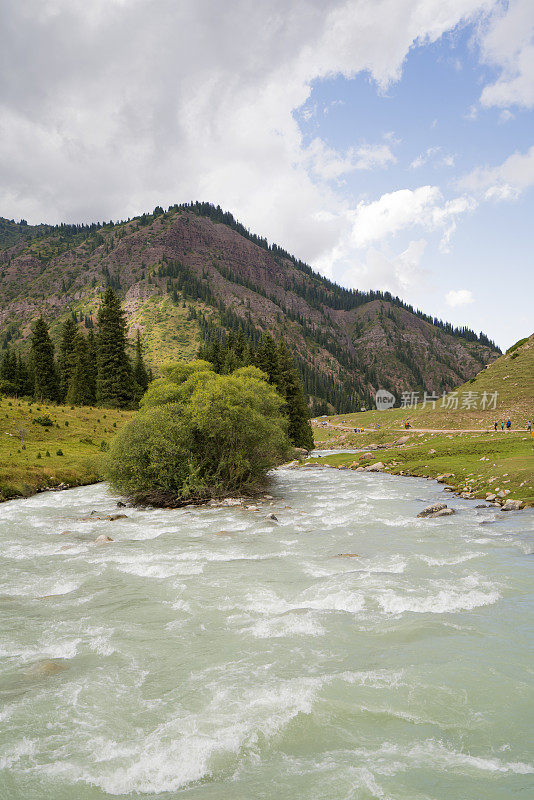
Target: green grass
pixel 23 472
pixel 168 333
pixel 509 465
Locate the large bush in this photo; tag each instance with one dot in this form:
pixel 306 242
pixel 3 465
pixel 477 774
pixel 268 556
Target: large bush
pixel 199 435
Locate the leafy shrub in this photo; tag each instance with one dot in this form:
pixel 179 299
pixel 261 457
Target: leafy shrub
pixel 45 421
pixel 198 435
pixel 59 452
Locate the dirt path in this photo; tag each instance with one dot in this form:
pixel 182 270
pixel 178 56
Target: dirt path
pixel 421 430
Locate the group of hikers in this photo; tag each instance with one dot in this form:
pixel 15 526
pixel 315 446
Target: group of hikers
pixel 508 425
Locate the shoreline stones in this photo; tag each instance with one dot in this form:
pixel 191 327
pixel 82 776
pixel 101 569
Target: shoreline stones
pixel 378 467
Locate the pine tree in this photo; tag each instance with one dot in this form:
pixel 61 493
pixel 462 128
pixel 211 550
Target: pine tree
pixel 290 388
pixel 79 390
pixel 46 384
pixel 267 360
pixel 67 356
pixel 8 367
pixel 140 373
pixel 24 381
pixel 114 383
pixel 91 368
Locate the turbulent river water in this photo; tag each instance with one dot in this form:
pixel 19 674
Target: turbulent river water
pixel 217 654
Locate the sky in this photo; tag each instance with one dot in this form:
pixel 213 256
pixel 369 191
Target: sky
pixel 388 143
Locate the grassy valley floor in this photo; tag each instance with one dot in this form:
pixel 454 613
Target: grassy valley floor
pixel 66 450
pixel 444 439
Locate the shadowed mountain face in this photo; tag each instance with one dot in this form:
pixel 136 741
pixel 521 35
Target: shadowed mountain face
pixel 189 273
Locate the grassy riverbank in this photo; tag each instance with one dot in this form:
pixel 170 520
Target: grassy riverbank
pixel 460 441
pixel 44 445
pixel 478 463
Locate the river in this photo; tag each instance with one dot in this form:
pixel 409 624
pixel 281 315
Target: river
pixel 218 654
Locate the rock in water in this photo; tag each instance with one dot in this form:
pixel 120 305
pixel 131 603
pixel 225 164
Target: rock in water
pixel 436 510
pixel 102 539
pixel 44 668
pixel 512 505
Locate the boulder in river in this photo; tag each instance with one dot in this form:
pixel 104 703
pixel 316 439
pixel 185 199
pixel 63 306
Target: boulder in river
pixel 512 505
pixel 103 539
pixel 44 668
pixel 436 510
pixel 301 452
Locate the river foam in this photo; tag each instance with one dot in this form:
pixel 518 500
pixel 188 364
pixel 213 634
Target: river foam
pixel 346 649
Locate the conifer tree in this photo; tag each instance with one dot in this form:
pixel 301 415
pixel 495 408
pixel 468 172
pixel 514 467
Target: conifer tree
pixel 91 367
pixel 46 384
pixel 267 360
pixel 8 367
pixel 114 383
pixel 67 355
pixel 290 388
pixel 140 373
pixel 79 390
pixel 24 382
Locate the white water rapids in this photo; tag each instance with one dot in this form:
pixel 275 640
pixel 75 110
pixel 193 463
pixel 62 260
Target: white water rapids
pixel 217 654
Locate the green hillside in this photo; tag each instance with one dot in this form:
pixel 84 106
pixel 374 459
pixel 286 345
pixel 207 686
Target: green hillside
pixel 66 449
pixel 511 376
pixel 192 273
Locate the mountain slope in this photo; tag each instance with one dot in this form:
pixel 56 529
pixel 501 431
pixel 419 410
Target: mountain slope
pixel 188 273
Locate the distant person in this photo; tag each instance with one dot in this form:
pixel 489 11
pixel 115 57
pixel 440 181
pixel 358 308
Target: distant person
pixel 529 426
pixel 508 424
pixel 502 426
pixel 495 425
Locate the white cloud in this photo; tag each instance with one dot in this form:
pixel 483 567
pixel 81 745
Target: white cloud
pixel 459 297
pixel 434 154
pixel 374 155
pixel 423 158
pixel 406 208
pixel 138 108
pixel 505 181
pixel 508 43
